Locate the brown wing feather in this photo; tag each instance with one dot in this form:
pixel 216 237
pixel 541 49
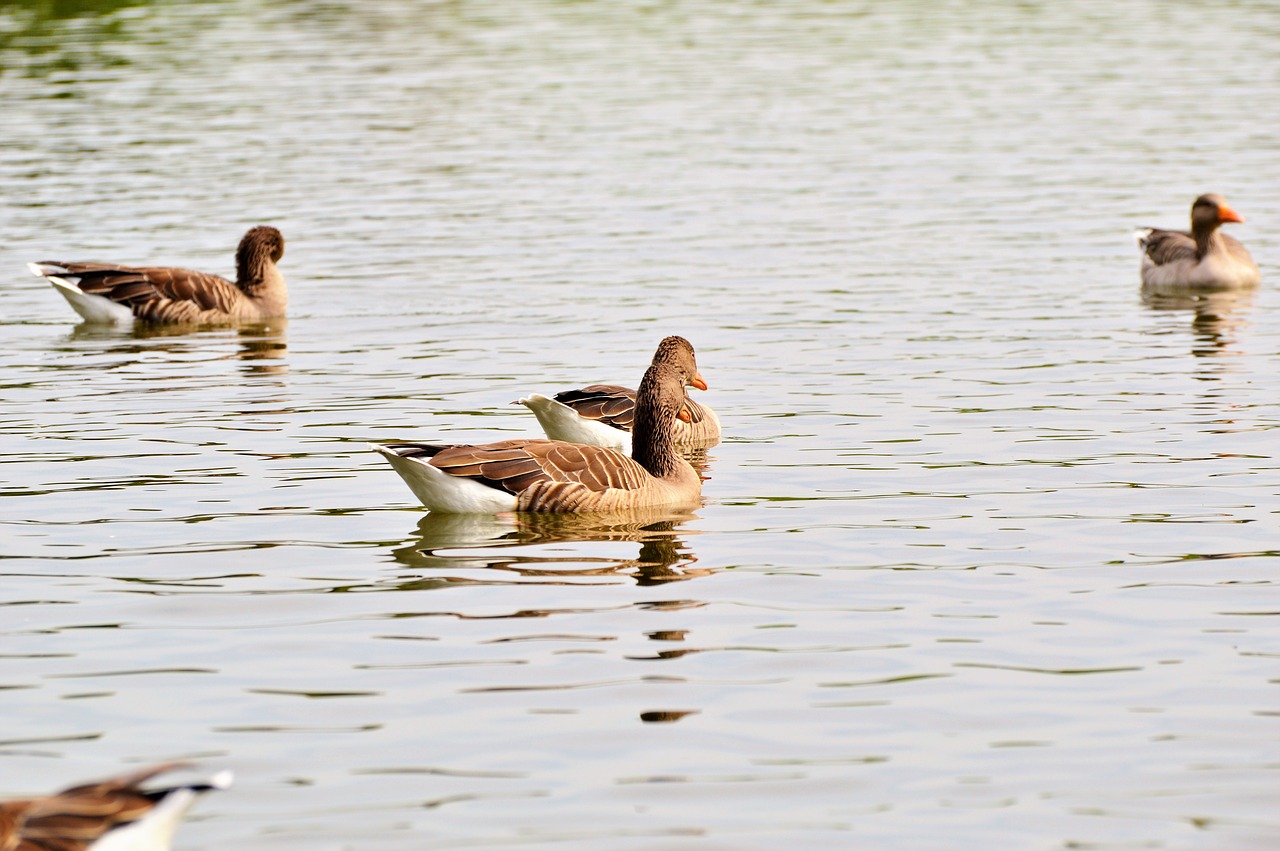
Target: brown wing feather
pixel 75 818
pixel 209 291
pixel 697 413
pixel 156 293
pixel 516 465
pixel 608 403
pixel 1168 246
pixel 594 467
pixel 614 405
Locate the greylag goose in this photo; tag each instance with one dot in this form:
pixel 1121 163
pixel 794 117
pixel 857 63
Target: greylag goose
pixel 1203 259
pixel 555 476
pixel 106 292
pixel 109 815
pixel 603 414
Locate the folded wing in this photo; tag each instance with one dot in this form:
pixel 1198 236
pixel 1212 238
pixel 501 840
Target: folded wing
pixel 515 465
pixel 154 293
pixel 1167 246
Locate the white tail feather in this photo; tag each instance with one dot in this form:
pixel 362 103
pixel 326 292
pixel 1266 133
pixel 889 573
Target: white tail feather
pixel 92 308
pixel 152 832
pixel 560 422
pixel 155 830
pixel 440 491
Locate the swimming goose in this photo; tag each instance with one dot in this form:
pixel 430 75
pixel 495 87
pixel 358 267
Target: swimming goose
pixel 603 414
pixel 555 476
pixel 110 815
pixel 1202 259
pixel 108 293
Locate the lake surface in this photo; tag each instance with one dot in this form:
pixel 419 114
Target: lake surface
pixel 989 554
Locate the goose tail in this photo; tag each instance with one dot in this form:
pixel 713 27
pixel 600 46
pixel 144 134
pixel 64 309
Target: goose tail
pixel 92 308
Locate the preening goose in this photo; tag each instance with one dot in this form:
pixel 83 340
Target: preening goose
pixel 555 476
pixel 1203 259
pixel 109 815
pixel 106 292
pixel 603 415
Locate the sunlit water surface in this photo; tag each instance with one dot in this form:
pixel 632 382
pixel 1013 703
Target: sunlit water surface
pixel 988 555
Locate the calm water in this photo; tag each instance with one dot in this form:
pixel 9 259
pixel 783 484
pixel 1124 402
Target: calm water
pixel 988 558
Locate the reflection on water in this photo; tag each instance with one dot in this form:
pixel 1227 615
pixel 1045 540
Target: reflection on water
pixel 518 543
pixel 1218 318
pixel 263 346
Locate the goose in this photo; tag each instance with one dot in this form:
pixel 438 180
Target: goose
pixel 108 815
pixel 603 414
pixel 110 293
pixel 1203 259
pixel 559 477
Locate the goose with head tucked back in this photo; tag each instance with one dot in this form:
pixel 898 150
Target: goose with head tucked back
pixel 117 814
pixel 604 414
pixel 560 477
pixel 1202 259
pixel 111 293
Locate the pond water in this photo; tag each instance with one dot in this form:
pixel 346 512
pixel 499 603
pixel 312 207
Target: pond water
pixel 988 556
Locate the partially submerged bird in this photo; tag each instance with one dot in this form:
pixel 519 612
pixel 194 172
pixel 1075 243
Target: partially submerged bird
pixel 604 414
pixel 555 476
pixel 110 293
pixel 110 815
pixel 1202 259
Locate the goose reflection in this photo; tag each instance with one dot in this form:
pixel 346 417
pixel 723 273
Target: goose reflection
pixel 506 542
pixel 262 346
pixel 1217 319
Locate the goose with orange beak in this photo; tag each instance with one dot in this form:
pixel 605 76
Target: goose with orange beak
pixel 555 476
pixel 1203 258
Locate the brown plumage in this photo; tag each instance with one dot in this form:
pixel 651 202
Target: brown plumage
pixel 76 818
pixel 615 406
pixel 170 295
pixel 608 403
pixel 1202 258
pixel 554 476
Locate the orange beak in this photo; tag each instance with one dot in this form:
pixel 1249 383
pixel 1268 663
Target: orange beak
pixel 1226 214
pixel 685 416
pixel 698 382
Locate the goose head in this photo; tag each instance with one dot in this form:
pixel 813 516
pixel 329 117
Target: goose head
pixel 1210 211
pixel 261 245
pixel 660 401
pixel 677 354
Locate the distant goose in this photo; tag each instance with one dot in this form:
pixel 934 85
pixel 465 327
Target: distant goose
pixel 603 414
pixel 1202 259
pixel 554 476
pixel 106 292
pixel 110 815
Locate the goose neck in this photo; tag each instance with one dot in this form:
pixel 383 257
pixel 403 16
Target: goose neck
pixel 658 401
pixel 1208 240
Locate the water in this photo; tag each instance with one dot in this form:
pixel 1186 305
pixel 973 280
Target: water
pixel 988 554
